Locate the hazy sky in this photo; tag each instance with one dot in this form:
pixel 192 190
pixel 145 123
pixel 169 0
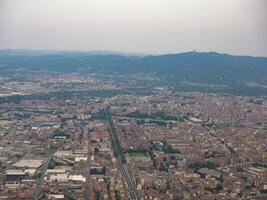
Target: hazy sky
pixel 144 26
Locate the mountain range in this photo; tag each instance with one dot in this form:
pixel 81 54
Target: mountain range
pixel 194 68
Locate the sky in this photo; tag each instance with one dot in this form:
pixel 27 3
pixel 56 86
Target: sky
pixel 139 26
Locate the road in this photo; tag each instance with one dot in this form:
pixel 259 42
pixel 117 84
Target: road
pixel 88 167
pixel 43 170
pixel 148 119
pixel 130 186
pixel 234 155
pixel 131 191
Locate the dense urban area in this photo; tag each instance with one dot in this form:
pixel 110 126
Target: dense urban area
pixel 74 136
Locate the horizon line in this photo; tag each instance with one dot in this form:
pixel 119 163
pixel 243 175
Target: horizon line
pixel 125 53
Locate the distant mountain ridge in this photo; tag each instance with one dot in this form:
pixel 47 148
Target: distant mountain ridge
pixel 196 67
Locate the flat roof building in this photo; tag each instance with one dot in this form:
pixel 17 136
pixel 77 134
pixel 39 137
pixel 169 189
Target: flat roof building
pixel 29 163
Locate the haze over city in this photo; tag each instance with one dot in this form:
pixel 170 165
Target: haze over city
pixel 133 99
pixel 148 26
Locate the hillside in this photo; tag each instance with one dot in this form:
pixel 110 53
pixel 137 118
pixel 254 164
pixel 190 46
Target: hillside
pixel 196 69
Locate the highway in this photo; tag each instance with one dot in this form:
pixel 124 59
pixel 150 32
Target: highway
pixel 131 191
pixel 88 167
pixel 130 188
pixel 43 170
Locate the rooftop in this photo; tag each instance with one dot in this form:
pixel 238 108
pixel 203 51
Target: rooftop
pixel 29 163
